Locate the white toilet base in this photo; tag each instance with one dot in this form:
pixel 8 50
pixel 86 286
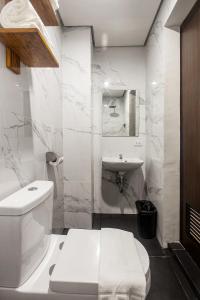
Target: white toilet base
pixel 37 286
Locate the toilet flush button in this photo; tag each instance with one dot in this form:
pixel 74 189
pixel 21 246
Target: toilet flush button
pixel 33 188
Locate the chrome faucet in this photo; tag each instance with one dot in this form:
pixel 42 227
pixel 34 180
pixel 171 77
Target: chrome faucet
pixel 120 156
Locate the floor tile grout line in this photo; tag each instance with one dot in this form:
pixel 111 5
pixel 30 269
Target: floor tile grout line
pixel 159 256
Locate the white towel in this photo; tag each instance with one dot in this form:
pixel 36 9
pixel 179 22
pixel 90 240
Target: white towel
pixel 121 276
pixel 21 14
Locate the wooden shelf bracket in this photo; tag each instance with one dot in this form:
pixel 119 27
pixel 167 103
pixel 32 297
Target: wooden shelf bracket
pixel 12 61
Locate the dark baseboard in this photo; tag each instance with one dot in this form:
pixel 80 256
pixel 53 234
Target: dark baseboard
pixel 57 230
pixel 188 266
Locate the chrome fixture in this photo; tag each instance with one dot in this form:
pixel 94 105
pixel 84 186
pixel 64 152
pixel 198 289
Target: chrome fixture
pixel 121 181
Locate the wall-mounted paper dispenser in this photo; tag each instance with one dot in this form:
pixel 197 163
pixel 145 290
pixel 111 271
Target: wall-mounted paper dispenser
pixel 53 159
pixel 54 171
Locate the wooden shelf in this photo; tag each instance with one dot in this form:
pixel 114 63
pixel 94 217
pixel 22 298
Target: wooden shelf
pixel 45 11
pixel 30 46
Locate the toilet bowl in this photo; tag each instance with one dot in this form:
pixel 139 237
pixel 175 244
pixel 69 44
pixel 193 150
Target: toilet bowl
pixel 31 258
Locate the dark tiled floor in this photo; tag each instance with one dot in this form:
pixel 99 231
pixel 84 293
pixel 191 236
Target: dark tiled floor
pixel 164 283
pixel 168 280
pixel 129 223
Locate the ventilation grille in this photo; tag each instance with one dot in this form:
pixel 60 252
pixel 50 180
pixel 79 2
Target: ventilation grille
pixel 193 223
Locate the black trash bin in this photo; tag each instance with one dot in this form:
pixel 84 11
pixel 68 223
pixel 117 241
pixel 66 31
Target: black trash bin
pixel 146 219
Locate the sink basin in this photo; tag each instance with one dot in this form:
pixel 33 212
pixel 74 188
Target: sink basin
pixel 121 165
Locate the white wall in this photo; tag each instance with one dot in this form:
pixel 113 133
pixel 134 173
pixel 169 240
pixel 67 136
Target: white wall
pixel 30 125
pixel 122 68
pixel 163 124
pixel 46 111
pixel 77 120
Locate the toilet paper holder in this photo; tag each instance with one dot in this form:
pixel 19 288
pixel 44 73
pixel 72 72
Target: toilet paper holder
pixel 53 159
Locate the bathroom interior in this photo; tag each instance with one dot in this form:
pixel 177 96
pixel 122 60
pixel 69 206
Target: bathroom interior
pixel 99 103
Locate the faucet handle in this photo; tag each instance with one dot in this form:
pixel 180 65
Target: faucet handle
pixel 120 156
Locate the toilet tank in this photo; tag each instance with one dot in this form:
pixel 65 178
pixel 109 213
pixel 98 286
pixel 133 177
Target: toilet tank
pixel 25 228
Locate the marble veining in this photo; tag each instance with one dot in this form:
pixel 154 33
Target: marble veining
pixel 112 66
pixel 30 125
pixel 158 142
pixel 60 110
pixel 77 127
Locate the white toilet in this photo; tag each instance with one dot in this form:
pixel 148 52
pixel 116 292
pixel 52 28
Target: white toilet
pixel 29 252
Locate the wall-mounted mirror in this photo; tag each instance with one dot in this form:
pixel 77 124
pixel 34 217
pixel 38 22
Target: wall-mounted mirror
pixel 121 113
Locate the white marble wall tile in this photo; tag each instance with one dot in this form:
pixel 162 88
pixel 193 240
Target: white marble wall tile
pixel 122 68
pixel 46 111
pixel 97 167
pixel 162 57
pixel 16 153
pixel 30 125
pixel 124 203
pixel 77 220
pixel 77 196
pixel 77 127
pixel 77 150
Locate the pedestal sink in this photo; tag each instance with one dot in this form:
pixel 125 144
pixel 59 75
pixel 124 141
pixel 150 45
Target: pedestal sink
pixel 120 166
pixel 124 165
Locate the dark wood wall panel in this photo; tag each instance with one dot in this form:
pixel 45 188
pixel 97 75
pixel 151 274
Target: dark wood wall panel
pixel 190 131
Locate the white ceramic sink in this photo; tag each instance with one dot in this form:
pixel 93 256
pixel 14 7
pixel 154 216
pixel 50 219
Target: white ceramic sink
pixel 115 164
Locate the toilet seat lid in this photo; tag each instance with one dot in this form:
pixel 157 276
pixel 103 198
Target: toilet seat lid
pixel 80 255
